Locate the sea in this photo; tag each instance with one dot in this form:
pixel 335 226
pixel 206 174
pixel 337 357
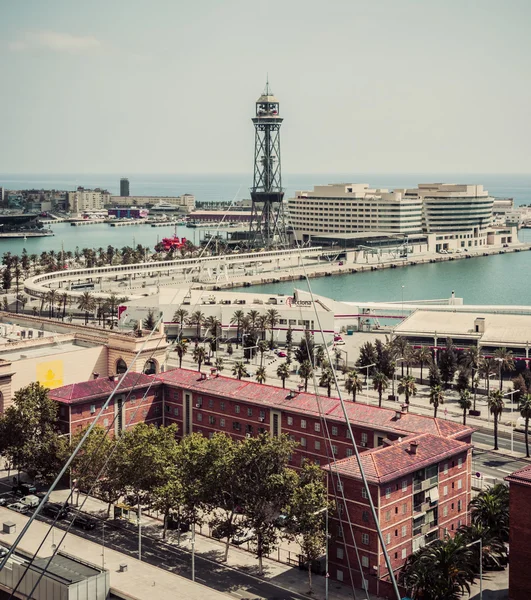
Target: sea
pixel 498 279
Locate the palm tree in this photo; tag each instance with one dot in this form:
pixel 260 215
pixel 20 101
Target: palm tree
pixel 212 325
pixel 253 316
pixel 199 356
pixel 423 356
pixel 261 374
pixel 496 404
pixel 113 302
pixel 465 403
pixel 51 298
pixel 436 398
pixel 179 316
pixel 380 382
pixel 306 371
pixel 273 317
pixel 407 387
pixel 237 319
pixel 283 373
pixel 86 304
pixel 263 346
pixel 490 510
pixel 319 356
pixel 494 551
pixel 219 364
pixel 505 361
pixel 196 320
pixel 353 383
pixel 262 325
pixel 239 370
pixel 402 348
pixel 525 412
pixel 327 380
pixel 65 299
pixel 181 347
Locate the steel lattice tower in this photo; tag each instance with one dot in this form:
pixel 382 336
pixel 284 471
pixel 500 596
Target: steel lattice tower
pixel 267 227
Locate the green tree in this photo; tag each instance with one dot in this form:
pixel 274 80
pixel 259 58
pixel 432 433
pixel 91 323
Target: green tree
pixel 180 316
pixel 447 364
pixel 263 347
pixel 181 347
pixel 494 551
pixel 520 387
pixel 505 360
pixel 368 356
pixel 305 372
pixel 283 373
pixel 272 317
pixel 239 370
pixel 220 364
pixel 465 403
pixel 51 298
pixel 496 405
pixel 353 383
pixel 320 356
pixel 268 483
pixel 423 356
pixel 196 320
pixel 199 356
pixel 490 510
pixel 487 367
pixel 261 375
pixel 6 279
pixel 305 350
pixel 230 349
pixel 435 375
pixel 327 380
pixel 237 319
pixel 463 380
pixel 436 398
pixel 212 325
pixel 525 412
pixel 380 383
pixel 86 304
pixel 306 514
pixel 407 387
pixel 150 321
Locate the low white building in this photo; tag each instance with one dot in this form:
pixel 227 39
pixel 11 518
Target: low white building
pixel 186 202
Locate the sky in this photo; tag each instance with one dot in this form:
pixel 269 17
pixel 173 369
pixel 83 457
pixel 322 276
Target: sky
pixel 169 86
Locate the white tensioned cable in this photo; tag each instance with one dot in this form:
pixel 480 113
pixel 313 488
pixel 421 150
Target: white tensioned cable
pixel 97 418
pixel 354 445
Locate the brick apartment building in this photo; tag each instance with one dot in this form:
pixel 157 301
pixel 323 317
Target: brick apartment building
pixel 418 468
pixel 519 534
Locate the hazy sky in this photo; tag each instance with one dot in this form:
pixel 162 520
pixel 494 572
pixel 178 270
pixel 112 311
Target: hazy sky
pixel 168 86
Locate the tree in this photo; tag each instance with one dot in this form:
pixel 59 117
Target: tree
pixel 237 319
pixel 463 381
pixel 327 380
pixel 496 405
pixel 407 387
pixel 268 484
pixel 380 383
pixel 305 372
pixel 230 349
pixel 435 375
pixel 423 356
pixel 436 398
pixel 465 403
pixel 525 412
pixel 150 321
pixel 319 356
pixel 261 375
pixel 305 349
pixel 239 370
pixel 113 302
pixel 401 349
pixel 219 364
pixel 212 324
pixel 306 516
pixel 51 298
pixel 490 510
pixel 65 299
pixel 520 387
pixel 263 346
pixel 272 317
pixel 199 356
pixel 283 373
pixel 86 304
pixel 353 383
pixel 181 347
pixel 367 357
pixel 253 315
pixel 6 279
pixel 442 570
pixel 196 320
pixel 447 364
pixel 179 316
pixel 487 368
pixel 494 551
pixel 505 360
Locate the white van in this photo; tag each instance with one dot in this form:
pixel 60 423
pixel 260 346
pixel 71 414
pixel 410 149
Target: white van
pixel 31 501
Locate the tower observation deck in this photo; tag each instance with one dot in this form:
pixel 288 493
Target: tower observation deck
pixel 267 228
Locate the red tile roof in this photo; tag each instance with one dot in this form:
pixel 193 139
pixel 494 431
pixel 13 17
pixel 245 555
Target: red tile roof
pixel 387 463
pixel 362 415
pixel 96 388
pixel 522 476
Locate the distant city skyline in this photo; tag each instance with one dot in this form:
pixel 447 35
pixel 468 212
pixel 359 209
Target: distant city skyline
pixel 169 87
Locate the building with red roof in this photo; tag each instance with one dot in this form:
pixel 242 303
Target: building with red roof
pixel 519 534
pixel 418 468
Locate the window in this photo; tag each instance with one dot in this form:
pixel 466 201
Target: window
pixel 303 442
pixel 212 420
pixel 199 416
pixel 460 463
pixel 364 492
pixel 237 409
pixel 317 445
pixel 445 510
pixel 334 430
pixel 387 515
pixel 365 538
pixel 303 423
pixel 349 452
pixel 249 412
pixel 262 415
pixel 445 490
pixel 334 450
pixel 176 411
pixel 404 508
pixel 387 492
pixel 339 575
pixel 459 484
pixel 92 409
pixel 404 553
pixel 445 470
pixel 365 516
pixel 199 402
pixel 459 505
pixel 364 561
pixel 236 426
pixel 364 439
pixel 211 403
pixel 222 405
pixel 106 422
pixel 290 421
pixel 349 437
pixel 340 553
pixel 249 429
pixel 222 422
pixel 404 485
pixel 404 530
pixel 317 426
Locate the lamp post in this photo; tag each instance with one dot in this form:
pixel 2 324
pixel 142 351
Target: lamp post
pixel 318 512
pixel 367 381
pixel 480 542
pixel 402 302
pixel 396 360
pixel 512 428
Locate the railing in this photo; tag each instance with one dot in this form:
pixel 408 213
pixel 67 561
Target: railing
pixel 425 484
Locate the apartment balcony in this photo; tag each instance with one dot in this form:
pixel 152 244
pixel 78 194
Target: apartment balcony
pixel 425 484
pixel 422 507
pixel 425 529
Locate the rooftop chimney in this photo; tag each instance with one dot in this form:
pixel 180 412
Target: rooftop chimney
pixel 404 407
pixel 202 376
pixel 398 414
pixel 413 447
pixel 95 375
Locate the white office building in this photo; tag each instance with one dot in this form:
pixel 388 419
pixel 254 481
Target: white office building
pixel 185 203
pixel 87 200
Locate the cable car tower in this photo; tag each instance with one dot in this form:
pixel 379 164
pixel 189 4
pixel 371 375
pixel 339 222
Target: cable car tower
pixel 267 228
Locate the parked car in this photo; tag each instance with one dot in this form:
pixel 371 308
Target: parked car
pixel 19 507
pixel 55 509
pixel 281 354
pixel 339 343
pixel 23 489
pixel 4 500
pixel 337 337
pixel 32 501
pixel 245 535
pixel 3 551
pixel 84 522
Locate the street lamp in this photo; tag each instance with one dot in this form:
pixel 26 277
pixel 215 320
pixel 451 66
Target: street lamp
pixel 480 542
pixel 367 381
pixel 402 302
pixel 512 428
pixel 318 512
pixel 396 360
